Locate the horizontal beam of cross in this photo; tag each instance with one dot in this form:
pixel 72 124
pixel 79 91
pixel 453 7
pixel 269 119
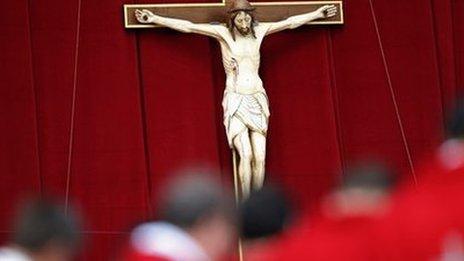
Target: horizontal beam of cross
pixel 217 13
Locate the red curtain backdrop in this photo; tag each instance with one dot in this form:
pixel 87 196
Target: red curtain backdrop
pixel 102 115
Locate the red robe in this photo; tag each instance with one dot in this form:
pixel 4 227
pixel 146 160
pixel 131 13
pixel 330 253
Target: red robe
pixel 427 220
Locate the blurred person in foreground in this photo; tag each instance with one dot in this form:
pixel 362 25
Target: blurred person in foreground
pixel 347 223
pixel 427 221
pixel 42 232
pixel 264 216
pixel 197 221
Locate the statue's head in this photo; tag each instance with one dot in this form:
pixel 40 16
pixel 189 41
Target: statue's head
pixel 241 18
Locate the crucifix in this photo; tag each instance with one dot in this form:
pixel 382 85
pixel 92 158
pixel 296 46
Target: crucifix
pixel 240 28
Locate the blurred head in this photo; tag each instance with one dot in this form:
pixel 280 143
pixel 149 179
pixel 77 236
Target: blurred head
pixel 365 189
pixel 241 18
pixel 265 213
pixel 199 205
pixel 455 120
pixel 367 177
pixel 44 232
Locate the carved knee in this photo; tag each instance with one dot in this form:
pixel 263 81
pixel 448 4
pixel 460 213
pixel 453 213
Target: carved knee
pixel 259 158
pixel 246 155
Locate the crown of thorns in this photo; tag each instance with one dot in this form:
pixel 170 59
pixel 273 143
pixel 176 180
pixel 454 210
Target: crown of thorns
pixel 240 5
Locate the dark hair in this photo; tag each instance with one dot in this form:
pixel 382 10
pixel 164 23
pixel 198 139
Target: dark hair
pixel 192 197
pixel 368 175
pixel 455 120
pixel 231 24
pixel 40 222
pixel 264 213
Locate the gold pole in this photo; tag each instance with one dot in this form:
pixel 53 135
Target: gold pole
pixel 240 251
pixel 234 161
pixel 237 198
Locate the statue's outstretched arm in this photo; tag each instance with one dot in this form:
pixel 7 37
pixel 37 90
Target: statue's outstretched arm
pixel 295 21
pixel 147 17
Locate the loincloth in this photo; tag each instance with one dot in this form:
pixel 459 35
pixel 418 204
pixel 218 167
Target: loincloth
pixel 251 110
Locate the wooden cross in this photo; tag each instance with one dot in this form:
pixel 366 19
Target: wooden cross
pixel 217 13
pixel 206 13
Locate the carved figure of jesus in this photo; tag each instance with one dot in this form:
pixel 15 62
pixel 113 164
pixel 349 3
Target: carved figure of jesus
pixel 245 103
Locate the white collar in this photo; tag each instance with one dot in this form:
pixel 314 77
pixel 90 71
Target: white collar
pixel 13 254
pixel 451 154
pixel 166 240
